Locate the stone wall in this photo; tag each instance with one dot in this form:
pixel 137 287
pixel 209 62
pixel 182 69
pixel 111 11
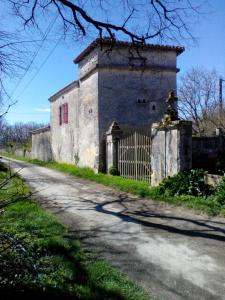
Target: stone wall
pixel 23 152
pixel 208 152
pixel 65 137
pixel 130 93
pixel 127 56
pixel 171 150
pixel 133 97
pixel 41 144
pixel 19 151
pixel 77 140
pixel 88 64
pixel 89 122
pixel 132 86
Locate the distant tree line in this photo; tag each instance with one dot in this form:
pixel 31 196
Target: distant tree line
pixel 17 134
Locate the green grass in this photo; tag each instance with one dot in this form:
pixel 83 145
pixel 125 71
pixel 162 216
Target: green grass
pixel 200 204
pixel 64 271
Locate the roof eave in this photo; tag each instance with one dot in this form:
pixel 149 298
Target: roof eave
pixel 64 90
pixel 107 42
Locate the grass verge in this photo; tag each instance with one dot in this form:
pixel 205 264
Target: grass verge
pixel 204 204
pixel 44 261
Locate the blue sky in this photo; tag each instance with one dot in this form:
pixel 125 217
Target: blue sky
pixel 59 69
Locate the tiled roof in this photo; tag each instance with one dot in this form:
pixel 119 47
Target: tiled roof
pixel 42 129
pixel 64 90
pixel 108 42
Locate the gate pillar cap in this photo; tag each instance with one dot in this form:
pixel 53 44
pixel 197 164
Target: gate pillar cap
pixel 114 129
pixel 172 124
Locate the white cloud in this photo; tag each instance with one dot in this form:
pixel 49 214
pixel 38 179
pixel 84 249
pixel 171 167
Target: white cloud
pixel 43 109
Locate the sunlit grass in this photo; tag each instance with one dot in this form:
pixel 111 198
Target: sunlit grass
pixel 65 271
pixel 200 204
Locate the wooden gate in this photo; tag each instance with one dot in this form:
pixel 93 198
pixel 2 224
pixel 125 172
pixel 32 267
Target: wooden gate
pixel 134 157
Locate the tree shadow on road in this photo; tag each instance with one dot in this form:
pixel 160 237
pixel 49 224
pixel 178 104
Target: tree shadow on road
pixel 198 228
pixel 146 218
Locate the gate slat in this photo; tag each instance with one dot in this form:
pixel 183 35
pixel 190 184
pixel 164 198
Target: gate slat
pixel 134 156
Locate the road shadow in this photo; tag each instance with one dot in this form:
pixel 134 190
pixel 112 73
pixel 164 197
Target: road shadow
pixel 146 218
pixel 198 228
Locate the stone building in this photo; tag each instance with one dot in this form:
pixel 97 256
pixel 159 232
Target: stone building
pixel 116 82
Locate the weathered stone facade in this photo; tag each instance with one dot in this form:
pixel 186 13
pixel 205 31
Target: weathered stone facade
pixel 41 144
pixel 171 150
pixel 119 84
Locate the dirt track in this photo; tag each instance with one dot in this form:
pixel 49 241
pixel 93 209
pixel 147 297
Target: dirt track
pixel 172 252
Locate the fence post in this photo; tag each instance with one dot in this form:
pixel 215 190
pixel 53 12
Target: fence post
pixel 113 136
pixel 135 155
pixel 171 149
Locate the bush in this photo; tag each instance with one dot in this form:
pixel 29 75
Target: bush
pixel 3 167
pixel 220 192
pixel 220 164
pixel 186 183
pixel 113 171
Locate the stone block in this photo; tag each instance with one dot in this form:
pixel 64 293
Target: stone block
pixel 171 150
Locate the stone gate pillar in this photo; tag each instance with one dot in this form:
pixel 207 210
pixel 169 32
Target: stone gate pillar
pixel 171 149
pixel 112 138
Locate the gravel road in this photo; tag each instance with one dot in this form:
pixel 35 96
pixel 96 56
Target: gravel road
pixel 170 251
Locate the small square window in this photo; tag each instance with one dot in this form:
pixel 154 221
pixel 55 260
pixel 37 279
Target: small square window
pixel 141 100
pixel 152 107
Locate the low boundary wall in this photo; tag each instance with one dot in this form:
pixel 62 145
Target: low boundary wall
pixel 41 144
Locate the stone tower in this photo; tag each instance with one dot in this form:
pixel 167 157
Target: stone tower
pixel 117 82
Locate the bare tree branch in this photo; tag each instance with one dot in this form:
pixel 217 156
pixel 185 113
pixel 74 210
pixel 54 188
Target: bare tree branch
pixel 198 100
pixel 165 18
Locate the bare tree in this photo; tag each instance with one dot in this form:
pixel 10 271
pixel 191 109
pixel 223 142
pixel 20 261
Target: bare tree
pixel 138 20
pixel 18 134
pixel 14 58
pixel 2 123
pixel 8 63
pixel 199 100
